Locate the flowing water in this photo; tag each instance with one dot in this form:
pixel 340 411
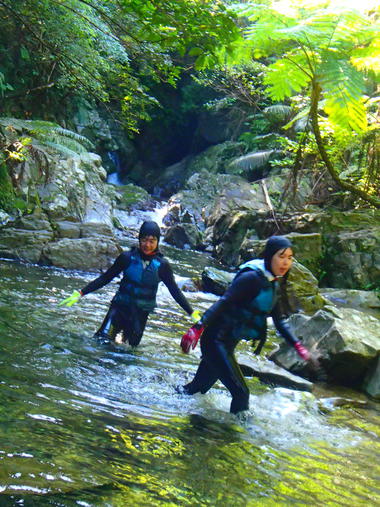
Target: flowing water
pixel 89 424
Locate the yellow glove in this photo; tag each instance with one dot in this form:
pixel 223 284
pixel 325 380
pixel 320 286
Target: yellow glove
pixel 71 300
pixel 196 316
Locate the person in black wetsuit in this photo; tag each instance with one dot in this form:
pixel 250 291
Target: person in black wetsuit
pixel 143 268
pixel 241 313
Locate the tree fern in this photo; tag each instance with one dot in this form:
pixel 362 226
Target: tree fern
pixel 48 135
pixel 323 51
pixel 253 160
pixel 278 112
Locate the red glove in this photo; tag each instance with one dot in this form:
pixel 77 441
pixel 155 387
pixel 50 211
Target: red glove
pixel 190 339
pixel 302 351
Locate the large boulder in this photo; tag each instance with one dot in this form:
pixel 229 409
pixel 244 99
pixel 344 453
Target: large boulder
pixel 364 300
pixel 346 341
pixel 87 254
pixel 25 238
pixel 76 190
pixel 352 259
pixel 371 383
pixel 215 280
pixel 183 236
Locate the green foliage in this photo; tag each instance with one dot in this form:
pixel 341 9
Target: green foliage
pixel 251 161
pixel 317 45
pixel 24 141
pixel 328 53
pixel 6 189
pixel 110 51
pixel 43 136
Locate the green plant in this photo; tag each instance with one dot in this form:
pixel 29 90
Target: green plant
pixel 24 141
pixel 329 54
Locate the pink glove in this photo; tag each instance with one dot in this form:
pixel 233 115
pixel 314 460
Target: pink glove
pixel 302 351
pixel 190 339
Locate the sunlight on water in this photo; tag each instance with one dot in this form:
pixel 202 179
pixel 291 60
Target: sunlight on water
pixel 91 424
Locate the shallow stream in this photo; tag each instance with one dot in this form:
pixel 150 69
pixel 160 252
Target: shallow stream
pixel 89 424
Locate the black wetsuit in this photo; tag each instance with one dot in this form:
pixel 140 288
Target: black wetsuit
pixel 220 338
pixel 130 316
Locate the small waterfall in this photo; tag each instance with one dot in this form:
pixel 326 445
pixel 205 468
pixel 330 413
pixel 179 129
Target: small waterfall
pixel 115 178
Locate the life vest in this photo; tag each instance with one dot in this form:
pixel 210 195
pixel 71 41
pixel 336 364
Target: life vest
pixel 250 320
pixel 139 284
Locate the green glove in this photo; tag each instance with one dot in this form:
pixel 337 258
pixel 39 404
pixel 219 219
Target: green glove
pixel 196 316
pixel 71 300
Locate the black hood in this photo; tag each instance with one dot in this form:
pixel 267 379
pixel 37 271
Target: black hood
pixel 150 228
pixel 273 245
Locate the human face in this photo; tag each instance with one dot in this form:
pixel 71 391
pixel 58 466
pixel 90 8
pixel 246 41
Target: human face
pixel 148 245
pixel 282 261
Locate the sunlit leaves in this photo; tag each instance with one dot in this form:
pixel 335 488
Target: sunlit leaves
pixel 326 46
pixel 287 76
pixel 344 102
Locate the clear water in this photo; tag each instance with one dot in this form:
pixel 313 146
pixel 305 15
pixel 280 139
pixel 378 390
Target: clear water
pixel 86 424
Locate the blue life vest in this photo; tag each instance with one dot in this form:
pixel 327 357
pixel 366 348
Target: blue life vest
pixel 139 284
pixel 250 320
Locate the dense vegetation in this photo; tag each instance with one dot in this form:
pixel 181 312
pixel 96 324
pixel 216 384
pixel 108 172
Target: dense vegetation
pixel 302 79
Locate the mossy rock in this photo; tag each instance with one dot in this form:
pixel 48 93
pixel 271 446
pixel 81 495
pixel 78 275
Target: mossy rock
pixel 129 196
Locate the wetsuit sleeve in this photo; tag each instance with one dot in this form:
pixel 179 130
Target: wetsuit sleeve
pixel 282 326
pixel 243 288
pixel 166 275
pixel 117 267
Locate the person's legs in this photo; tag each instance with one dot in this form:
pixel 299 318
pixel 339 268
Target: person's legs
pixel 110 325
pixel 134 326
pixel 231 377
pixel 204 379
pixel 218 362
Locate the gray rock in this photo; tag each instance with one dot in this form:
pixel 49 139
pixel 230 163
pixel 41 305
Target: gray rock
pixel 272 374
pixel 67 229
pixel 215 280
pixel 183 235
pixel 353 259
pixel 87 254
pixel 346 341
pixel 25 238
pixel 371 383
pixel 360 299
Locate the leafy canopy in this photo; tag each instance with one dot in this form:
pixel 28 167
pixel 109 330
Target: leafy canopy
pixel 108 50
pixel 318 45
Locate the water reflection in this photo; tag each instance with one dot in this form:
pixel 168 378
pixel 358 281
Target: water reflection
pixel 85 424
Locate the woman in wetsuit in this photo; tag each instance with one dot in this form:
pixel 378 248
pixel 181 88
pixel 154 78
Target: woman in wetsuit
pixel 143 268
pixel 241 313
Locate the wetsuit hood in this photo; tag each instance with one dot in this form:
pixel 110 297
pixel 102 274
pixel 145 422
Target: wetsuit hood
pixel 273 245
pixel 150 228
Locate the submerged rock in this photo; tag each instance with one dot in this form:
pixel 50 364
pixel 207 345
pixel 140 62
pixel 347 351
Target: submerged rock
pixel 272 374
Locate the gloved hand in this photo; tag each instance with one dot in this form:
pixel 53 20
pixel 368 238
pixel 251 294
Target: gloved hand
pixel 71 300
pixel 196 316
pixel 190 339
pixel 302 351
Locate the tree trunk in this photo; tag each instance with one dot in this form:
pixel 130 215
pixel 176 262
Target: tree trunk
pixel 315 96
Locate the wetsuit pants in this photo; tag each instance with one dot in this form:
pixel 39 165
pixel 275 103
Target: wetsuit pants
pixel 126 318
pixel 219 363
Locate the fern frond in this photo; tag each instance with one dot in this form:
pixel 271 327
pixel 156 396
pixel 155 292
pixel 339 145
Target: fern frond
pixel 343 88
pixel 284 77
pixel 61 148
pixel 278 112
pixel 254 160
pixel 50 134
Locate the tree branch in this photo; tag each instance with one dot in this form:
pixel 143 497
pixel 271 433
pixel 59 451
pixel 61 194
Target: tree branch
pixel 315 96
